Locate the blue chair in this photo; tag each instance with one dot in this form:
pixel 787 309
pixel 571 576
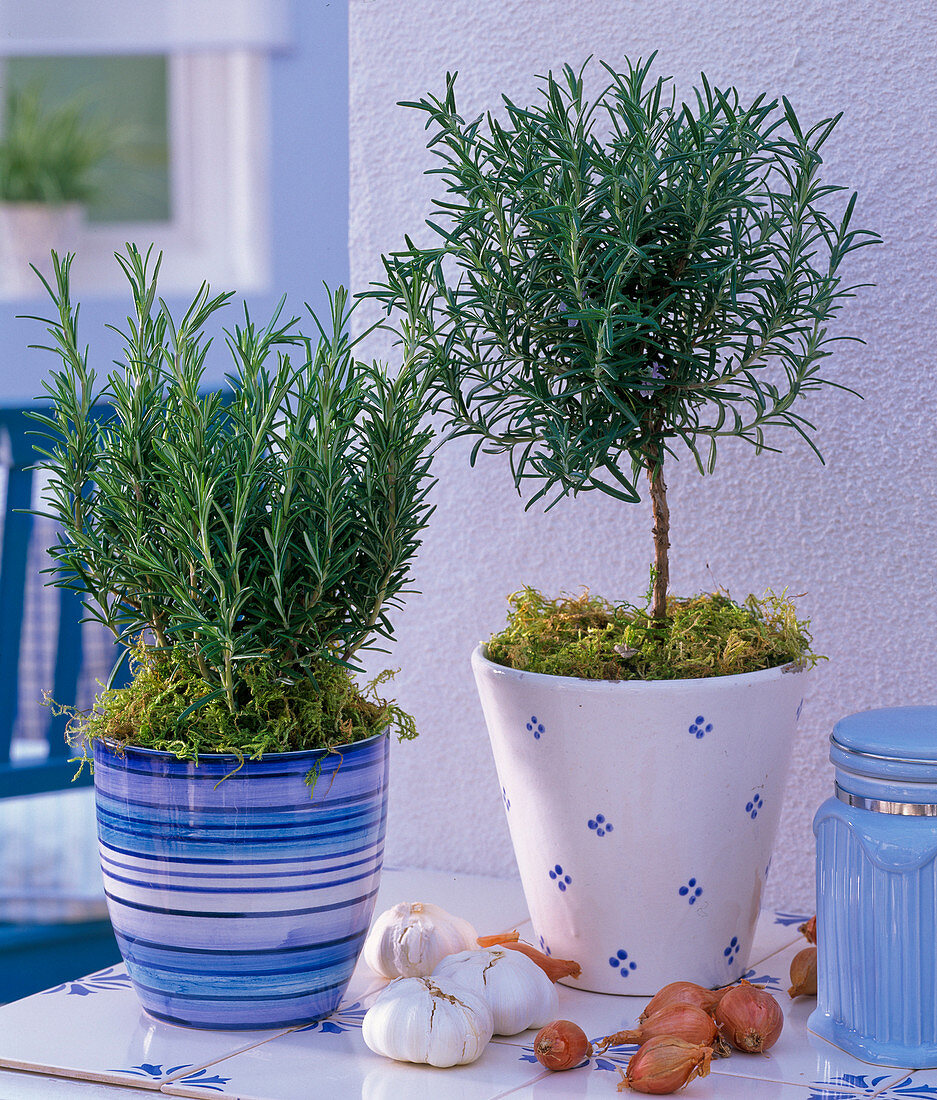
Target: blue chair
pixel 35 956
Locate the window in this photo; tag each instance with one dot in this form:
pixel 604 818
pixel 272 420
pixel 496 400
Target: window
pixel 186 85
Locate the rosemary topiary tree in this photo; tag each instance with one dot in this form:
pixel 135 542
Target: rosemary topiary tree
pixel 620 274
pixel 247 542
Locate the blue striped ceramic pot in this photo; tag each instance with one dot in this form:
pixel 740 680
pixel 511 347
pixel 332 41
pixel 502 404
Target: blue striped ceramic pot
pixel 240 898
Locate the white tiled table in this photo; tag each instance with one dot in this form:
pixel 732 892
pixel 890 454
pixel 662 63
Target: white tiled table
pixel 90 1039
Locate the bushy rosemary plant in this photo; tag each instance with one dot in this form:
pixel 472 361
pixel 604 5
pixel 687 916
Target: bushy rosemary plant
pixel 619 274
pixel 49 154
pixel 245 543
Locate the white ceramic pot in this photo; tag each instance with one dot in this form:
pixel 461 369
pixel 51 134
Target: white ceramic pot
pixel 643 815
pixel 28 233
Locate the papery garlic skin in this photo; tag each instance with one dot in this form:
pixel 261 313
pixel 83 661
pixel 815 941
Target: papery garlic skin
pixel 425 1020
pixel 408 940
pixel 517 990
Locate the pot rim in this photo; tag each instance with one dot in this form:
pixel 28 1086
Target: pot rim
pixel 481 662
pixel 213 757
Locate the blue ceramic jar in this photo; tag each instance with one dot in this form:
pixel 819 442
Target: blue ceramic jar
pixel 240 897
pixel 877 890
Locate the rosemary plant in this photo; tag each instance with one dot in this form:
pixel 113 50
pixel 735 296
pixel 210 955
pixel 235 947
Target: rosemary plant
pixel 617 275
pixel 49 154
pixel 244 544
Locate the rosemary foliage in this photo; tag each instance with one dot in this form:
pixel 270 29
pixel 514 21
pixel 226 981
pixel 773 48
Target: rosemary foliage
pixel 621 274
pixel 49 154
pixel 252 537
pixel 707 635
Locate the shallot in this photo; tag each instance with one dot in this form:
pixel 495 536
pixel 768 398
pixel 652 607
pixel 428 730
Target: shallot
pixel 809 929
pixel 750 1018
pixel 561 1045
pixel 680 1021
pixel 553 968
pixel 664 1064
pixel 683 993
pixel 804 973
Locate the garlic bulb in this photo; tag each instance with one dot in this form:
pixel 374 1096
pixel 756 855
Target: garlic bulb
pixel 425 1020
pixel 518 992
pixel 408 940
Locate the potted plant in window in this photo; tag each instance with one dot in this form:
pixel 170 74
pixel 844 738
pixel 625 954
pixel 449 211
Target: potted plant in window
pixel 48 156
pixel 614 277
pixel 243 545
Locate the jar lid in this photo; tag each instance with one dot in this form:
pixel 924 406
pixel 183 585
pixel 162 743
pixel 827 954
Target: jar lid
pixel 897 743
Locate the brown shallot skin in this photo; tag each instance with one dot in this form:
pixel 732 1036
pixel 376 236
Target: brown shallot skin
pixel 664 1064
pixel 683 993
pixel 680 1021
pixel 804 973
pixel 750 1018
pixel 553 968
pixel 562 1045
pixel 809 929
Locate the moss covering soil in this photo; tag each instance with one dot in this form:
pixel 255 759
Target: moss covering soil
pixel 706 635
pixel 158 710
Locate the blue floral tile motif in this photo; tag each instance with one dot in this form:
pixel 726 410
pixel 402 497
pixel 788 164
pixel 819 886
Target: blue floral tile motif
pixel 561 880
pixel 505 800
pixel 600 825
pixel 691 891
pixel 198 1078
pixel 787 919
pixel 772 984
pixel 620 962
pixel 700 727
pixel 342 1019
pixel 545 947
pixel 535 727
pixel 754 804
pixel 731 952
pixel 860 1085
pixel 115 977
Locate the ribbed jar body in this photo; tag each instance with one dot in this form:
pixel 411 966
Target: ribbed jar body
pixel 240 896
pixel 877 890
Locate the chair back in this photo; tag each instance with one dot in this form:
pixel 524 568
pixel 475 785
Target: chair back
pixel 43 645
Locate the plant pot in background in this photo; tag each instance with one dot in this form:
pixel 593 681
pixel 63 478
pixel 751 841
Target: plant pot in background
pixel 29 231
pixel 643 815
pixel 240 898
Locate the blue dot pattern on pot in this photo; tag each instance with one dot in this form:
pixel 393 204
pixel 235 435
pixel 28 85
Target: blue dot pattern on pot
pixel 505 799
pixel 700 727
pixel 545 947
pixel 620 962
pixel 691 891
pixel 754 805
pixel 731 952
pixel 561 880
pixel 535 727
pixel 600 825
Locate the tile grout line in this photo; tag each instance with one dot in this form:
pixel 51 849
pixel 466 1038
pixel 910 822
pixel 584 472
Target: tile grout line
pixel 524 1085
pixel 224 1058
pixel 905 1075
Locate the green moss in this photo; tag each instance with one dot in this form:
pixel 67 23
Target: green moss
pixel 707 635
pixel 158 711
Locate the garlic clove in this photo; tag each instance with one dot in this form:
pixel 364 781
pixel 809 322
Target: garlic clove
pixel 518 992
pixel 429 1021
pixel 409 939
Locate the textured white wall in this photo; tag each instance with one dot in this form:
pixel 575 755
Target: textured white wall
pixel 856 536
